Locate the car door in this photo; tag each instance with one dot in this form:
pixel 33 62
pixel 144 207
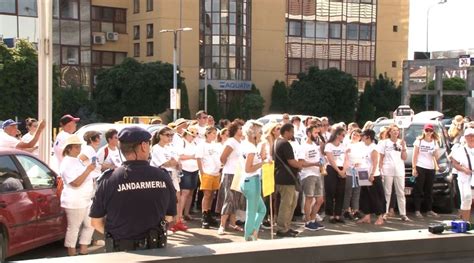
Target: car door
pixel 50 215
pixel 17 210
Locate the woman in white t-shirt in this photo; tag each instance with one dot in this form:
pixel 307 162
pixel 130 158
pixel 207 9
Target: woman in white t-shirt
pixel 208 160
pixel 335 181
pixel 228 200
pixel 393 153
pixel 372 198
pixel 164 156
pixel 89 152
pixel 355 156
pixel 190 170
pixel 463 161
pixel 31 126
pixel 424 164
pixel 251 181
pixel 76 197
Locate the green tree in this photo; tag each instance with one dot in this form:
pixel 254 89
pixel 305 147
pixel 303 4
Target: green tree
pixel 185 112
pixel 452 105
pixel 133 88
pixel 280 99
pixel 235 108
pixel 329 92
pixel 385 96
pixel 366 109
pixel 212 103
pixel 252 104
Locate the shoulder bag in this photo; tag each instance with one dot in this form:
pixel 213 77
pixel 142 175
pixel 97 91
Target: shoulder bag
pixel 298 186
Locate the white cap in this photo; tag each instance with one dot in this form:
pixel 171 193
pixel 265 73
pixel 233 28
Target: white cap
pixel 469 131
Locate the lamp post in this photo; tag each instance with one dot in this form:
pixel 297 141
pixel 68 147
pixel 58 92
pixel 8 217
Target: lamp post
pixel 427 44
pixel 175 74
pixel 203 73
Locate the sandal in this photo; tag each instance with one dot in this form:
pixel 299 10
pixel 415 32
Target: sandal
pixel 236 228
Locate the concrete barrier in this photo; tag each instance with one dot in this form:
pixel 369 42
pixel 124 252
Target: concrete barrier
pixel 411 246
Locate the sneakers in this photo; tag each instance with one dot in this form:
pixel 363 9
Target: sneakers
pixel 266 224
pixel 405 218
pixel 313 226
pixel 180 226
pixel 285 234
pixel 205 220
pixel 348 215
pixel 319 218
pixel 431 214
pixel 418 214
pixel 221 231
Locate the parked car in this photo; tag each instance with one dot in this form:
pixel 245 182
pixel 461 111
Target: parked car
pixel 444 188
pixel 30 209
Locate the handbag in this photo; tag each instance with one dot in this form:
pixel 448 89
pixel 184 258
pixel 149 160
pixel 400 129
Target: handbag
pixel 298 186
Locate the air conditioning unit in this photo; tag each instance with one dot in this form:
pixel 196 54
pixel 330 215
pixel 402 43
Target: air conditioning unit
pixel 111 36
pixel 98 38
pixel 71 61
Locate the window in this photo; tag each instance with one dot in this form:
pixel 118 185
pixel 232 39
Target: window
pixel 352 67
pixel 394 64
pixel 364 68
pixel 309 29
pixel 352 31
pixel 69 9
pixel 136 49
pixel 321 29
pixel 136 6
pixel 149 5
pixel 334 30
pixel 106 19
pixel 10 177
pixel 364 32
pixel 70 55
pixel 136 32
pixel 149 31
pixel 149 49
pixel 8 6
pixel 335 64
pixel 294 66
pixel 27 8
pixel 40 176
pixel 395 28
pixel 294 28
pixel 107 58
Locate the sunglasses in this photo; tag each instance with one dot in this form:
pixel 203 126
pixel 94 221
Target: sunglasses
pixel 167 134
pixel 429 130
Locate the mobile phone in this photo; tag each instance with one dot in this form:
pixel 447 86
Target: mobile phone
pixel 94 159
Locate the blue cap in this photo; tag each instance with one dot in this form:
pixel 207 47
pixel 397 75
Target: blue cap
pixel 8 122
pixel 134 134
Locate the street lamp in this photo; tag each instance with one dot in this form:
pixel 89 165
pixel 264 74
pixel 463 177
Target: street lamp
pixel 427 42
pixel 175 74
pixel 203 73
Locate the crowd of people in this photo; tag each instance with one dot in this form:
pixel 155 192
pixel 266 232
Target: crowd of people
pixel 332 173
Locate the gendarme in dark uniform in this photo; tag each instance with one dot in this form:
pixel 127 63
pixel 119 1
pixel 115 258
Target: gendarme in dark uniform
pixel 134 199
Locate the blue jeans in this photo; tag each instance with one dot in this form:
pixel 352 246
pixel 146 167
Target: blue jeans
pixel 256 210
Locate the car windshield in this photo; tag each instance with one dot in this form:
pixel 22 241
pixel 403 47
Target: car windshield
pixel 413 132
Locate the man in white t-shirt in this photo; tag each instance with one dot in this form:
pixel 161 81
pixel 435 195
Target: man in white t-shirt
pixel 109 156
pixel 201 117
pixel 68 125
pixel 325 128
pixel 8 137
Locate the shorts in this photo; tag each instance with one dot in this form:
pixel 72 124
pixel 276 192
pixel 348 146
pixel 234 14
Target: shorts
pixel 313 186
pixel 209 182
pixel 189 180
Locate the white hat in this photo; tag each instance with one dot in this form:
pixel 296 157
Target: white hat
pixel 469 131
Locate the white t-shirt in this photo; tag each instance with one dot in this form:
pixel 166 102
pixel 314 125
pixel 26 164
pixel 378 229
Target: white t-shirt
pixel 232 161
pixel 201 136
pixel 8 141
pixel 178 142
pixel 210 154
pixel 356 156
pixel 75 197
pixel 367 162
pixel 58 145
pixel 160 155
pixel 392 165
pixel 27 138
pixel 312 154
pixel 297 150
pixel 339 153
pixel 246 149
pixel 90 152
pixel 460 156
pixel 426 153
pixel 113 157
pixel 189 165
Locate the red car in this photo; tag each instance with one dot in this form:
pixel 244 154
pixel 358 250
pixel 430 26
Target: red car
pixel 30 210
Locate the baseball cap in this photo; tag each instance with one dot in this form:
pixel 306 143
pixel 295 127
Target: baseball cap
pixel 134 134
pixel 469 131
pixel 428 126
pixel 8 122
pixel 67 119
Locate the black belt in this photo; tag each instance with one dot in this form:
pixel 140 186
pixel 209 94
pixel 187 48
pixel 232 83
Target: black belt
pixel 127 245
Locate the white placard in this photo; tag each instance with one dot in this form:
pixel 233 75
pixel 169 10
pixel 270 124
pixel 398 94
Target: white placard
pixel 464 61
pixel 175 102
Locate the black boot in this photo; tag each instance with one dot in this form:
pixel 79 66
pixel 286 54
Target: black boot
pixel 212 221
pixel 205 220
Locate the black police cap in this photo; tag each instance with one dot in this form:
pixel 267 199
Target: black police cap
pixel 134 134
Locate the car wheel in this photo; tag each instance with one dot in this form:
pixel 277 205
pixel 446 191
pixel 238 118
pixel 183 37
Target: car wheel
pixel 3 247
pixel 447 205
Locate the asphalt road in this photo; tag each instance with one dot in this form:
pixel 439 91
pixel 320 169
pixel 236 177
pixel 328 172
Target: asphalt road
pixel 198 236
